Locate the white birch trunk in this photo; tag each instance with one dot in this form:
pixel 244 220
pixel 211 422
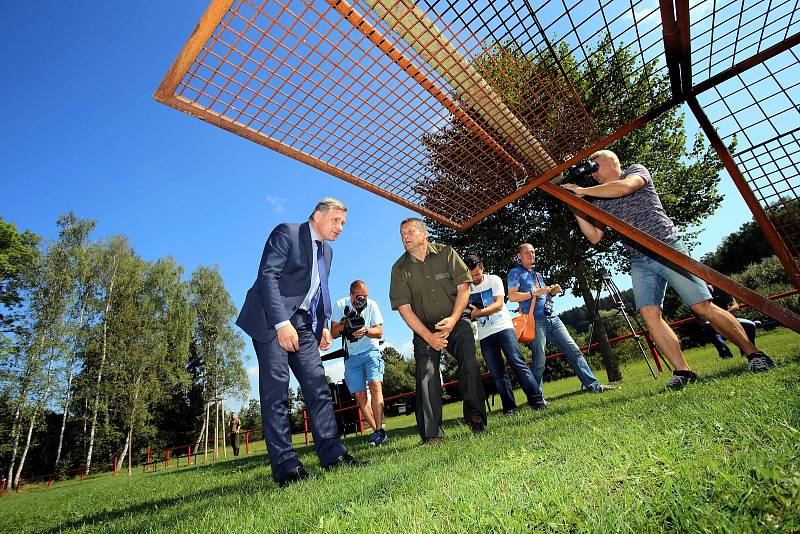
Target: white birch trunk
pixel 104 351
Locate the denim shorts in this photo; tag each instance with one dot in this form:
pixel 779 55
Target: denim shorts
pixel 363 368
pixel 652 274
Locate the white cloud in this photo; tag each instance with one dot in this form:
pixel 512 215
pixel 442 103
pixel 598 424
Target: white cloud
pixel 335 370
pixel 277 203
pixel 252 372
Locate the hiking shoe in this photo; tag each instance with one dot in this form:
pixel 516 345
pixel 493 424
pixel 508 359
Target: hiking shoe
pixel 679 379
pixel 758 362
pixel 379 437
pixel 476 424
pixel 539 405
pixel 602 387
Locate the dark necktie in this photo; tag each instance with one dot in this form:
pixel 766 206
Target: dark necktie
pixel 323 288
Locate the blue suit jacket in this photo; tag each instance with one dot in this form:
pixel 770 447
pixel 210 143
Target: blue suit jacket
pixel 283 281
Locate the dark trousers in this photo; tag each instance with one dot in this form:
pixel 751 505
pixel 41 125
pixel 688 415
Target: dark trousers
pixel 461 345
pixel 719 342
pixel 273 381
pixel 235 443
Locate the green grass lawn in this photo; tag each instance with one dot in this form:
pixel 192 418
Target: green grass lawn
pixel 722 455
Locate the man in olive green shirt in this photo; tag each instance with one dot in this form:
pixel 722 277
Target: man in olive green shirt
pixel 430 289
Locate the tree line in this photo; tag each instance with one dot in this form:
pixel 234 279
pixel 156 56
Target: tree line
pixel 103 352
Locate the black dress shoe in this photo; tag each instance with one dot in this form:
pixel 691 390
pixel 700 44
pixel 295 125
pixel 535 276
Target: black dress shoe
pixel 293 475
pixel 346 459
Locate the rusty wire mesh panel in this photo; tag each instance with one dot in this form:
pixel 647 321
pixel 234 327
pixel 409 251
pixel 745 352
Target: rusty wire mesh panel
pixel 447 107
pixel 760 109
pixel 724 33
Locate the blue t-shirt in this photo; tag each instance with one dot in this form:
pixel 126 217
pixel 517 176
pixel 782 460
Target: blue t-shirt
pixel 523 279
pixel 372 317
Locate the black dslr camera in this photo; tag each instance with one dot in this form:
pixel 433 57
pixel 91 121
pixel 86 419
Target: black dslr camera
pixel 580 174
pixel 602 274
pixel 353 320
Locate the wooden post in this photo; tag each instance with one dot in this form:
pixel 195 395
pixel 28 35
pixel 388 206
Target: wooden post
pixel 149 465
pixel 216 429
pixel 116 465
pixel 224 436
pixel 247 442
pixel 205 444
pixel 130 446
pixel 305 424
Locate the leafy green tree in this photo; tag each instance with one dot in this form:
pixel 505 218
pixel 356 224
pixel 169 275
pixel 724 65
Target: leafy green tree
pixel 150 333
pixel 218 369
pixel 686 178
pixel 18 254
pixel 398 374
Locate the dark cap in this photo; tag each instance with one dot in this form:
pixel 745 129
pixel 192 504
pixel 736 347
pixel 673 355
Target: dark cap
pixel 472 261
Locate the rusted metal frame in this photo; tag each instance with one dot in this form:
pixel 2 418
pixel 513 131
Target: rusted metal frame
pixel 536 182
pixel 211 18
pixel 774 239
pixel 673 52
pixel 748 63
pixel 358 21
pixel 758 302
pixel 239 68
pixel 194 110
pixel 273 21
pixel 684 32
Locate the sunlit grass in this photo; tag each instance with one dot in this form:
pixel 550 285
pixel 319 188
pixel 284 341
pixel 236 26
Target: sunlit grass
pixel 722 455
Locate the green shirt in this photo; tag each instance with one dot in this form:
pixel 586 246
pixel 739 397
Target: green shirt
pixel 429 286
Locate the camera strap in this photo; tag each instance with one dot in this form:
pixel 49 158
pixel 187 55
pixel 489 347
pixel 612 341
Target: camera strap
pixel 344 348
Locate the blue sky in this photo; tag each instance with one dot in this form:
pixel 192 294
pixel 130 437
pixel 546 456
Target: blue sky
pixel 81 132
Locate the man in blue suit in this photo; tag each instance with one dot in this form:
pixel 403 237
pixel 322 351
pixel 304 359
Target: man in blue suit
pixel 286 313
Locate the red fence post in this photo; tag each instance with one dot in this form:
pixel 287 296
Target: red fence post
pixel 305 424
pixel 116 465
pixel 247 442
pixel 189 454
pixel 3 488
pixel 653 351
pixel 50 481
pixel 166 461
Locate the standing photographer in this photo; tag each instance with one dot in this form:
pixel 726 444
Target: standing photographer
pixel 363 365
pixel 631 196
pixel 527 287
pixel 495 334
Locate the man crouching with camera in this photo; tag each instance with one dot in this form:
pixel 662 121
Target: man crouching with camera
pixel 631 196
pixel 363 365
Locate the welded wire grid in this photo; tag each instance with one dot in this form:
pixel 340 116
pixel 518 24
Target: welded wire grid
pixel 724 33
pixel 760 110
pixel 453 137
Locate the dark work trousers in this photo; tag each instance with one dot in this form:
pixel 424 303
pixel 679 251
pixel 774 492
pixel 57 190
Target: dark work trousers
pixel 235 443
pixel 461 345
pixel 273 381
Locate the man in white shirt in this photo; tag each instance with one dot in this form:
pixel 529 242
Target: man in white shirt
pixel 496 334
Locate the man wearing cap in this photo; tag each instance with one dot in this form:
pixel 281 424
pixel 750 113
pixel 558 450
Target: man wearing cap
pixel 496 333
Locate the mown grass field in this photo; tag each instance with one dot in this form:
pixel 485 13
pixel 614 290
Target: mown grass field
pixel 723 455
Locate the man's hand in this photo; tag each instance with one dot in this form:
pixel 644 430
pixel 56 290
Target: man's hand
pixel 437 341
pixel 444 326
pixel 574 188
pixel 473 312
pixel 361 332
pixel 555 289
pixel 287 338
pixel 326 341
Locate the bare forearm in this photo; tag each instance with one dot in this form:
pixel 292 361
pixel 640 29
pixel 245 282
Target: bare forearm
pixel 413 322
